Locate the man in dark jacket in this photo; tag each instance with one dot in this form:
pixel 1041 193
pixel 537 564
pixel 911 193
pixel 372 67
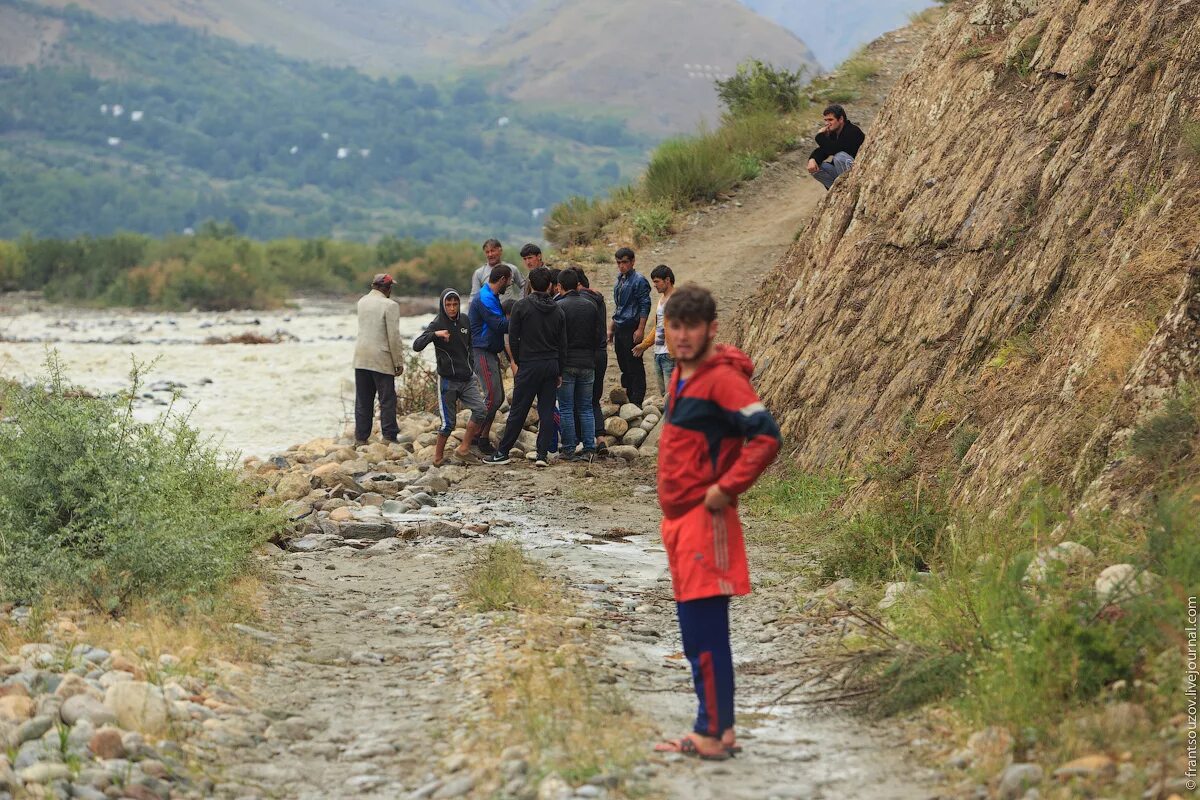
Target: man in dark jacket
pixel 600 355
pixel 838 142
pixel 451 337
pixel 585 326
pixel 537 336
pixel 631 309
pixel 489 324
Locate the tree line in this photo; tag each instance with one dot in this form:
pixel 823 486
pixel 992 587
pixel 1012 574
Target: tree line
pixel 218 269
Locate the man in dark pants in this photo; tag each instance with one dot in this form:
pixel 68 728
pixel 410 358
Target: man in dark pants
pixel 489 324
pixel 584 327
pixel 600 357
pixel 838 141
pixel 378 359
pixel 717 439
pixel 631 309
pixel 537 336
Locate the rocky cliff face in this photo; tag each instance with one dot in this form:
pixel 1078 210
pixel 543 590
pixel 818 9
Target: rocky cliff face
pixel 1010 273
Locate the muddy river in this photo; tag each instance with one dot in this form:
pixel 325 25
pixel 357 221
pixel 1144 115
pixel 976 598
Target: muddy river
pixel 255 399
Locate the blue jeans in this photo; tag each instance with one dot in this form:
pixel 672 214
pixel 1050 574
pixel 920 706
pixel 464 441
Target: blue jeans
pixel 664 365
pixel 831 169
pixel 575 400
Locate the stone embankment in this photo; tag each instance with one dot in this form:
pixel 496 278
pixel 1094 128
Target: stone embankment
pixel 371 496
pixel 81 722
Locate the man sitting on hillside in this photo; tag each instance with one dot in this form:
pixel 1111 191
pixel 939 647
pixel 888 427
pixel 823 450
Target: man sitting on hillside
pixel 838 141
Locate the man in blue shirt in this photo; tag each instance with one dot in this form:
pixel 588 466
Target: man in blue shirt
pixel 631 309
pixel 488 326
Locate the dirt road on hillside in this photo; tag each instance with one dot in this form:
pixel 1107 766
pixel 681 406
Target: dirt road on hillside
pixel 730 245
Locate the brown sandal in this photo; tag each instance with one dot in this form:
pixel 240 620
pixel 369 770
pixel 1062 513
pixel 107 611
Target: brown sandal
pixel 687 746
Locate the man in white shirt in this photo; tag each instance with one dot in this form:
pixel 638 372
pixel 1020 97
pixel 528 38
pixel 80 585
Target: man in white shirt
pixel 493 252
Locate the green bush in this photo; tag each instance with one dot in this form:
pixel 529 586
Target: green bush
pixel 888 538
pixel 219 270
pixel 652 223
pixel 757 87
pixel 578 221
pixel 98 507
pixel 698 168
pixel 1024 655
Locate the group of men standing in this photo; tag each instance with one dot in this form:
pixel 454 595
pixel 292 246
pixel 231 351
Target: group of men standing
pixel 548 327
pixel 717 436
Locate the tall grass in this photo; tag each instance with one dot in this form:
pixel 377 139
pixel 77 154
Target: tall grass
pixel 98 508
pixel 544 694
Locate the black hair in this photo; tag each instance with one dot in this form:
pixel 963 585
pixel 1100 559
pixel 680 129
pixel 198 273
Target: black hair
pixel 568 279
pixel 507 305
pixel 498 272
pixel 663 273
pixel 530 249
pixel 691 304
pixel 583 278
pixel 836 110
pixel 539 279
pixel 625 252
pixel 492 243
pixel 554 275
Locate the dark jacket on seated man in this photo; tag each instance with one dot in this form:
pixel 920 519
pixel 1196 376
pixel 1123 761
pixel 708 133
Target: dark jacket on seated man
pixel 848 140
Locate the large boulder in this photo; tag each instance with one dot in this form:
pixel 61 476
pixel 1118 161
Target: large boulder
pixel 292 486
pixel 1062 556
pixel 367 529
pixel 616 427
pixel 16 708
pixel 138 706
pixel 627 452
pixel 634 437
pixel 629 412
pixel 83 706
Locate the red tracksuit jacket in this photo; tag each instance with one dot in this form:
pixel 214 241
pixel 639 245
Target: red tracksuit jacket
pixel 715 430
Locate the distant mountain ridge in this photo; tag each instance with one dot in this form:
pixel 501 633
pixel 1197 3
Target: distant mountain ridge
pixel 835 30
pixel 653 61
pixel 656 60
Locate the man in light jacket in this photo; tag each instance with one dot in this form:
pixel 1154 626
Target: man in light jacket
pixel 378 359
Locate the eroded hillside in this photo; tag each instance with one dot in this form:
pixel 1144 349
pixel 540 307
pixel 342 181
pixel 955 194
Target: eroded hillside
pixel 1007 282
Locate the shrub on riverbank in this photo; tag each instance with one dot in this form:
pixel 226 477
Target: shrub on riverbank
pixel 99 508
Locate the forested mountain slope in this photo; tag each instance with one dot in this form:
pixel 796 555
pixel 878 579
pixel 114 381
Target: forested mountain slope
pixel 1005 285
pixel 377 36
pixel 153 128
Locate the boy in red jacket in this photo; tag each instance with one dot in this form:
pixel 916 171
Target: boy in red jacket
pixel 717 439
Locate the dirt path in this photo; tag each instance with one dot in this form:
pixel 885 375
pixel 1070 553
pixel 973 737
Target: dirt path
pixel 728 245
pixel 372 687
